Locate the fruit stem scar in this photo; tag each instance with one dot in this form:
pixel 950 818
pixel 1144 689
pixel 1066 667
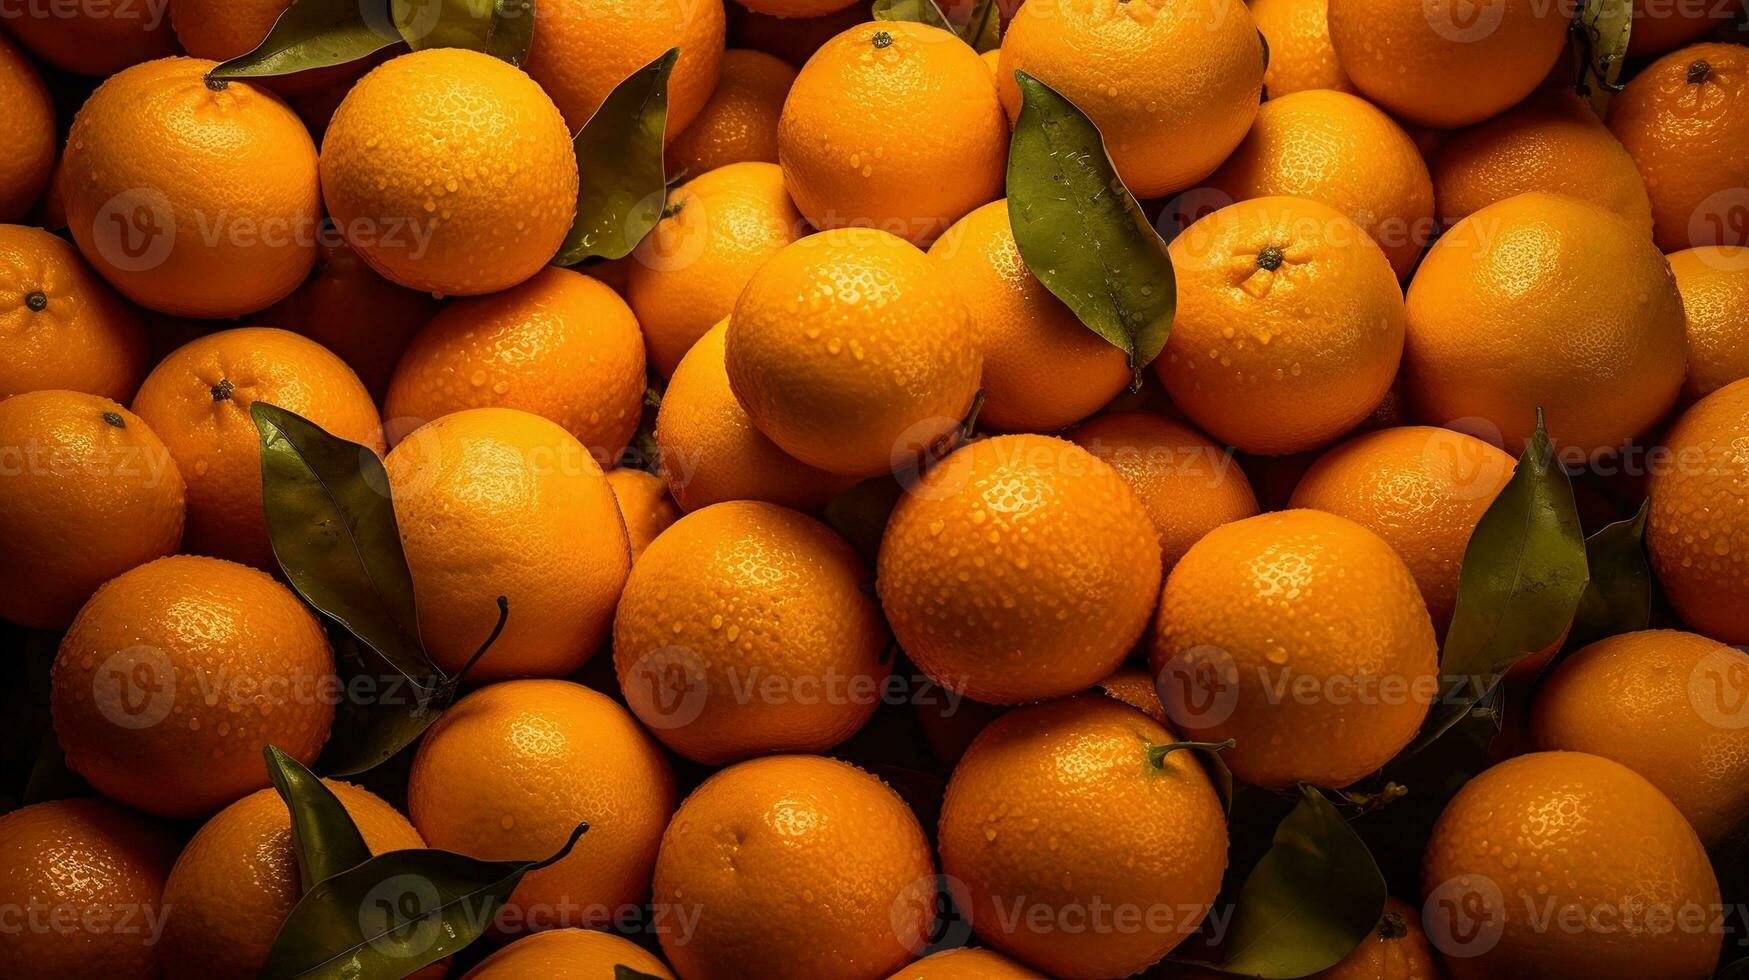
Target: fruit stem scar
pixel 1392 926
pixel 1270 258
pixel 115 419
pixel 1698 71
pixel 36 301
pixel 222 391
pixel 216 84
pixel 882 39
pixel 1157 753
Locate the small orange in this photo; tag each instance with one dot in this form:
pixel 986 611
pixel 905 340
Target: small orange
pixel 1396 950
pixel 1135 687
pixel 644 505
pixel 1698 533
pixel 92 39
pixel 1661 25
pixel 27 133
pixel 739 123
pixel 568 954
pixel 966 964
pixel 1300 54
pixel 61 326
pixel 1714 283
pixel 585 48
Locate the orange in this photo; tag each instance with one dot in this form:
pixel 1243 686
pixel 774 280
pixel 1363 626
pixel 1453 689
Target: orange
pixel 222 31
pixel 644 505
pixel 1300 54
pixel 746 630
pixel 1289 326
pixel 560 345
pixel 739 123
pixel 1172 84
pixel 27 133
pixel 1685 119
pixel 851 351
pixel 1714 283
pixel 585 48
pixel 1032 824
pixel 1018 568
pixel 509 772
pixel 1660 25
pixel 1135 687
pixel 1698 533
pixel 762 841
pixel 92 39
pixel 1396 950
pixel 711 451
pixel 1301 635
pixel 450 171
pixel 1582 838
pixel 1043 369
pixel 718 228
pixel 496 502
pixel 61 326
pixel 176 674
pixel 1188 484
pixel 1442 63
pixel 568 954
pixel 90 863
pixel 1544 300
pixel 893 125
pixel 197 400
pixel 966 964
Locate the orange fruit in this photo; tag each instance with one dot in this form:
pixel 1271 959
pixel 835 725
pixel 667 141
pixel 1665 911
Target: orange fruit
pixel 90 863
pixel 27 133
pixel 644 505
pixel 893 125
pixel 1172 84
pixel 1028 824
pixel 92 39
pixel 1396 950
pixel 1698 532
pixel 1135 687
pixel 966 964
pixel 794 39
pixel 1289 326
pixel 739 122
pixel 450 171
pixel 762 839
pixel 560 345
pixel 1544 300
pixel 585 48
pixel 1566 833
pixel 1714 283
pixel 1300 54
pixel 197 400
pixel 568 954
pixel 61 326
pixel 1019 567
pixel 1043 369
pixel 1275 602
pixel 1660 25
pixel 850 350
pixel 176 674
pixel 496 502
pixel 485 784
pixel 745 630
pixel 192 199
pixel 718 228
pixel 1684 119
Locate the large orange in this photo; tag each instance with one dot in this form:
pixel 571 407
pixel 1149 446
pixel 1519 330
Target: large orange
pixel 1714 283
pixel 92 39
pixel 966 964
pixel 27 133
pixel 1300 54
pixel 1396 950
pixel 568 954
pixel 739 123
pixel 644 505
pixel 61 326
pixel 1698 532
pixel 584 48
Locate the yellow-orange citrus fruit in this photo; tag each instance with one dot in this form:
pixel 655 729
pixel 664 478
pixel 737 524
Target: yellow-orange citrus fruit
pixel 1544 300
pixel 87 39
pixel 1300 54
pixel 1698 533
pixel 1172 85
pixel 762 840
pixel 1043 369
pixel 61 326
pixel 192 199
pixel 1396 950
pixel 568 954
pixel 1714 283
pixel 496 502
pixel 644 505
pixel 197 400
pixel 560 345
pixel 746 630
pixel 893 125
pixel 966 964
pixel 450 171
pixel 92 864
pixel 1029 822
pixel 1019 567
pixel 1660 25
pixel 27 133
pixel 1565 834
pixel 585 48
pixel 1289 327
pixel 222 31
pixel 850 350
pixel 1258 607
pixel 175 676
pixel 509 772
pixel 739 123
pixel 1135 687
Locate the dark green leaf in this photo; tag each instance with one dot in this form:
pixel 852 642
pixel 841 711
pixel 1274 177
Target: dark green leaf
pixel 323 835
pixel 500 28
pixel 315 34
pixel 1602 29
pixel 621 190
pixel 914 11
pixel 1618 597
pixel 984 30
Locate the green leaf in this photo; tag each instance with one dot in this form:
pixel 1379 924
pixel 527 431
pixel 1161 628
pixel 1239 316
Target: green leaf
pixel 621 189
pixel 1209 754
pixel 1601 29
pixel 1618 596
pixel 501 28
pixel 315 34
pixel 1081 231
pixel 914 11
pixel 984 30
pixel 323 835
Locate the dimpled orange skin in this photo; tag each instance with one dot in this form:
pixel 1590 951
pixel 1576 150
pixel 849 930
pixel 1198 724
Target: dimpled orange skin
pixel 222 31
pixel 896 126
pixel 97 40
pixel 1291 595
pixel 27 133
pixel 1545 300
pixel 739 123
pixel 687 274
pixel 1028 819
pixel 84 338
pixel 197 400
pixel 560 345
pixel 1019 567
pixel 1043 369
pixel 1396 950
pixel 966 964
pixel 585 48
pixel 796 867
pixel 191 200
pixel 1135 687
pixel 1557 830
pixel 509 772
pixel 1714 283
pixel 850 350
pixel 1698 533
pixel 644 505
pixel 1279 361
pixel 1300 54
pixel 497 502
pixel 450 171
pixel 744 593
pixel 568 954
pixel 213 661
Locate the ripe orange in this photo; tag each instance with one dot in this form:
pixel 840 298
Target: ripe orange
pixel 1019 567
pixel 568 954
pixel 893 125
pixel 1714 283
pixel 1043 369
pixel 1660 25
pixel 584 48
pixel 739 123
pixel 560 345
pixel 810 865
pixel 1396 950
pixel 966 964
pixel 1300 54
pixel 92 39
pixel 1698 533
pixel 191 198
pixel 61 326
pixel 1135 687
pixel 644 505
pixel 27 133
pixel 1031 825
pixel 197 400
